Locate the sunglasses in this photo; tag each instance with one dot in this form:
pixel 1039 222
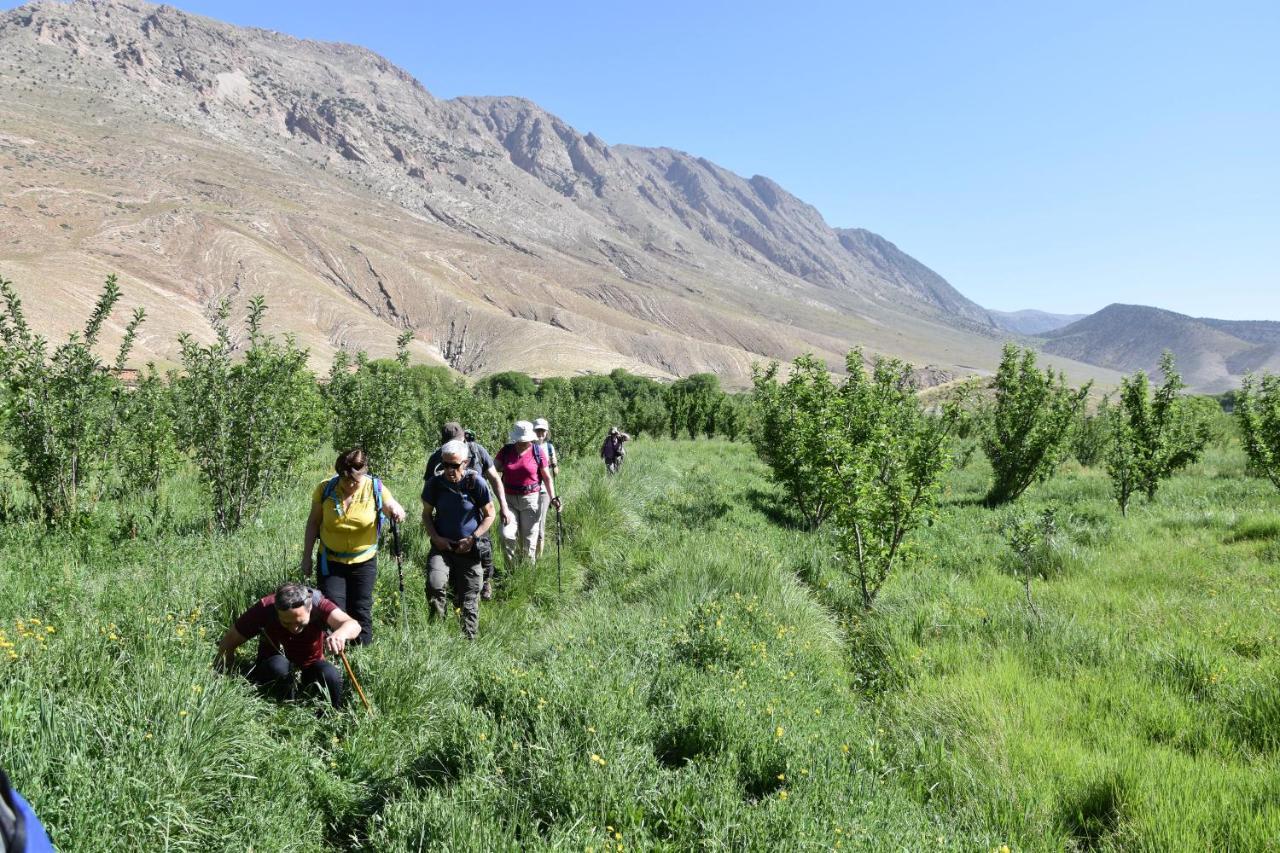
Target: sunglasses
pixel 452 466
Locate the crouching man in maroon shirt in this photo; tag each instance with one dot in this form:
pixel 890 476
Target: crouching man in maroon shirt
pixel 290 625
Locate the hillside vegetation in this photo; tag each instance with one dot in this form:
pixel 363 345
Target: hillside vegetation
pixel 708 679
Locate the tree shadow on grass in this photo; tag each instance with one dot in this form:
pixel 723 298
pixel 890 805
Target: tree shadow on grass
pixel 777 508
pixel 1093 812
pixel 348 821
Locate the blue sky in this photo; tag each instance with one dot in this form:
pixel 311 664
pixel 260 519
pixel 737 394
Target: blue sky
pixel 1056 156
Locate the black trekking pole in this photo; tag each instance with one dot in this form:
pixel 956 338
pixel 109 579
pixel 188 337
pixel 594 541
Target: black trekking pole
pixel 559 539
pixel 395 538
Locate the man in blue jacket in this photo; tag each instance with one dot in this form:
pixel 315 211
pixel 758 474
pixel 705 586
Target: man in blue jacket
pixel 457 512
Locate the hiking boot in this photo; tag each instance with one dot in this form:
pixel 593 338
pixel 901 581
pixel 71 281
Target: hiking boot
pixel 486 592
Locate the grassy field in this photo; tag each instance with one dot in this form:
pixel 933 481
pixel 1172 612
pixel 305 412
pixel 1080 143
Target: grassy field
pixel 705 681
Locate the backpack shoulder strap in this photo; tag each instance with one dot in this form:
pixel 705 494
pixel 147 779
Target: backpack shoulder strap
pixel 377 503
pixel 329 488
pixel 472 484
pixel 537 455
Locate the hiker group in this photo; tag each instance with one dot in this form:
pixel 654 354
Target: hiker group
pixel 465 492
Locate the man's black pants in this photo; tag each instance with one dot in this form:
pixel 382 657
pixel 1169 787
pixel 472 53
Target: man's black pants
pixel 274 674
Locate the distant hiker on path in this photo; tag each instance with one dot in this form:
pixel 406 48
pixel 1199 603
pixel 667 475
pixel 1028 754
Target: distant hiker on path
pixel 346 516
pixel 481 462
pixel 457 512
pixel 612 450
pixel 524 473
pixel 541 428
pixel 291 625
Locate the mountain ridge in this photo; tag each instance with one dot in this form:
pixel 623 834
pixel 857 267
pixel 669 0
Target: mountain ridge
pixel 1030 321
pixel 203 160
pixel 1211 355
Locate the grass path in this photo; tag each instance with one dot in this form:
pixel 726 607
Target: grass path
pixel 706 681
pixel 681 693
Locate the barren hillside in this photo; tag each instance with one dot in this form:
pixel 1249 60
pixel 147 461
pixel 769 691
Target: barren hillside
pixel 201 160
pixel 1212 355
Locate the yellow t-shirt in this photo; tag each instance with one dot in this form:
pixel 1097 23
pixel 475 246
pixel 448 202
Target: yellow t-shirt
pixel 351 537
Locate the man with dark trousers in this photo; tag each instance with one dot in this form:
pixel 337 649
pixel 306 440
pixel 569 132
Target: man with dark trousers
pixel 291 625
pixel 457 512
pixel 480 461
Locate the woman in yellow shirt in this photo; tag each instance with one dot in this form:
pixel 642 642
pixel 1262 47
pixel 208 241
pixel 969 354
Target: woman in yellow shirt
pixel 344 518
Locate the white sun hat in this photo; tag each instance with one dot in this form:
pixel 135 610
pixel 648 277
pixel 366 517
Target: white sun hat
pixel 522 431
pixel 541 423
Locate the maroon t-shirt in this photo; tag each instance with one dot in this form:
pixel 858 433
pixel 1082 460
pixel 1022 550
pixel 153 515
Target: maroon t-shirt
pixel 301 649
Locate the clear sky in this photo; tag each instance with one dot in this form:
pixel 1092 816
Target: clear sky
pixel 1059 156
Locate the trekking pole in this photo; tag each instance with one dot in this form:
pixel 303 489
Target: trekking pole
pixel 395 538
pixel 343 654
pixel 559 538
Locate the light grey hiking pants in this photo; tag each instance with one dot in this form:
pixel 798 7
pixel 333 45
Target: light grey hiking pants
pixel 521 537
pixel 465 574
pixel 544 503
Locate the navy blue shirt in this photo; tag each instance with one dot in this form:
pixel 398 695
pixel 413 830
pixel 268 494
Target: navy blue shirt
pixel 459 507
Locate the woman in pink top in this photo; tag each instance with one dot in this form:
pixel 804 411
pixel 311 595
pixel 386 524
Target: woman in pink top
pixel 523 467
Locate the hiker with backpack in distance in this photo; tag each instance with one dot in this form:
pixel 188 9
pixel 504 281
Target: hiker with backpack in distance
pixel 524 471
pixel 612 450
pixel 290 624
pixel 346 517
pixel 480 461
pixel 541 428
pixel 457 512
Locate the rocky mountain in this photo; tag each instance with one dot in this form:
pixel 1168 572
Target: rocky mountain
pixel 1212 355
pixel 201 160
pixel 1031 321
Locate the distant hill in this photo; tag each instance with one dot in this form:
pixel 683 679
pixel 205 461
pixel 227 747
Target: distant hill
pixel 1031 321
pixel 1212 355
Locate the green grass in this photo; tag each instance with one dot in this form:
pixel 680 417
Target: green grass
pixel 706 680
